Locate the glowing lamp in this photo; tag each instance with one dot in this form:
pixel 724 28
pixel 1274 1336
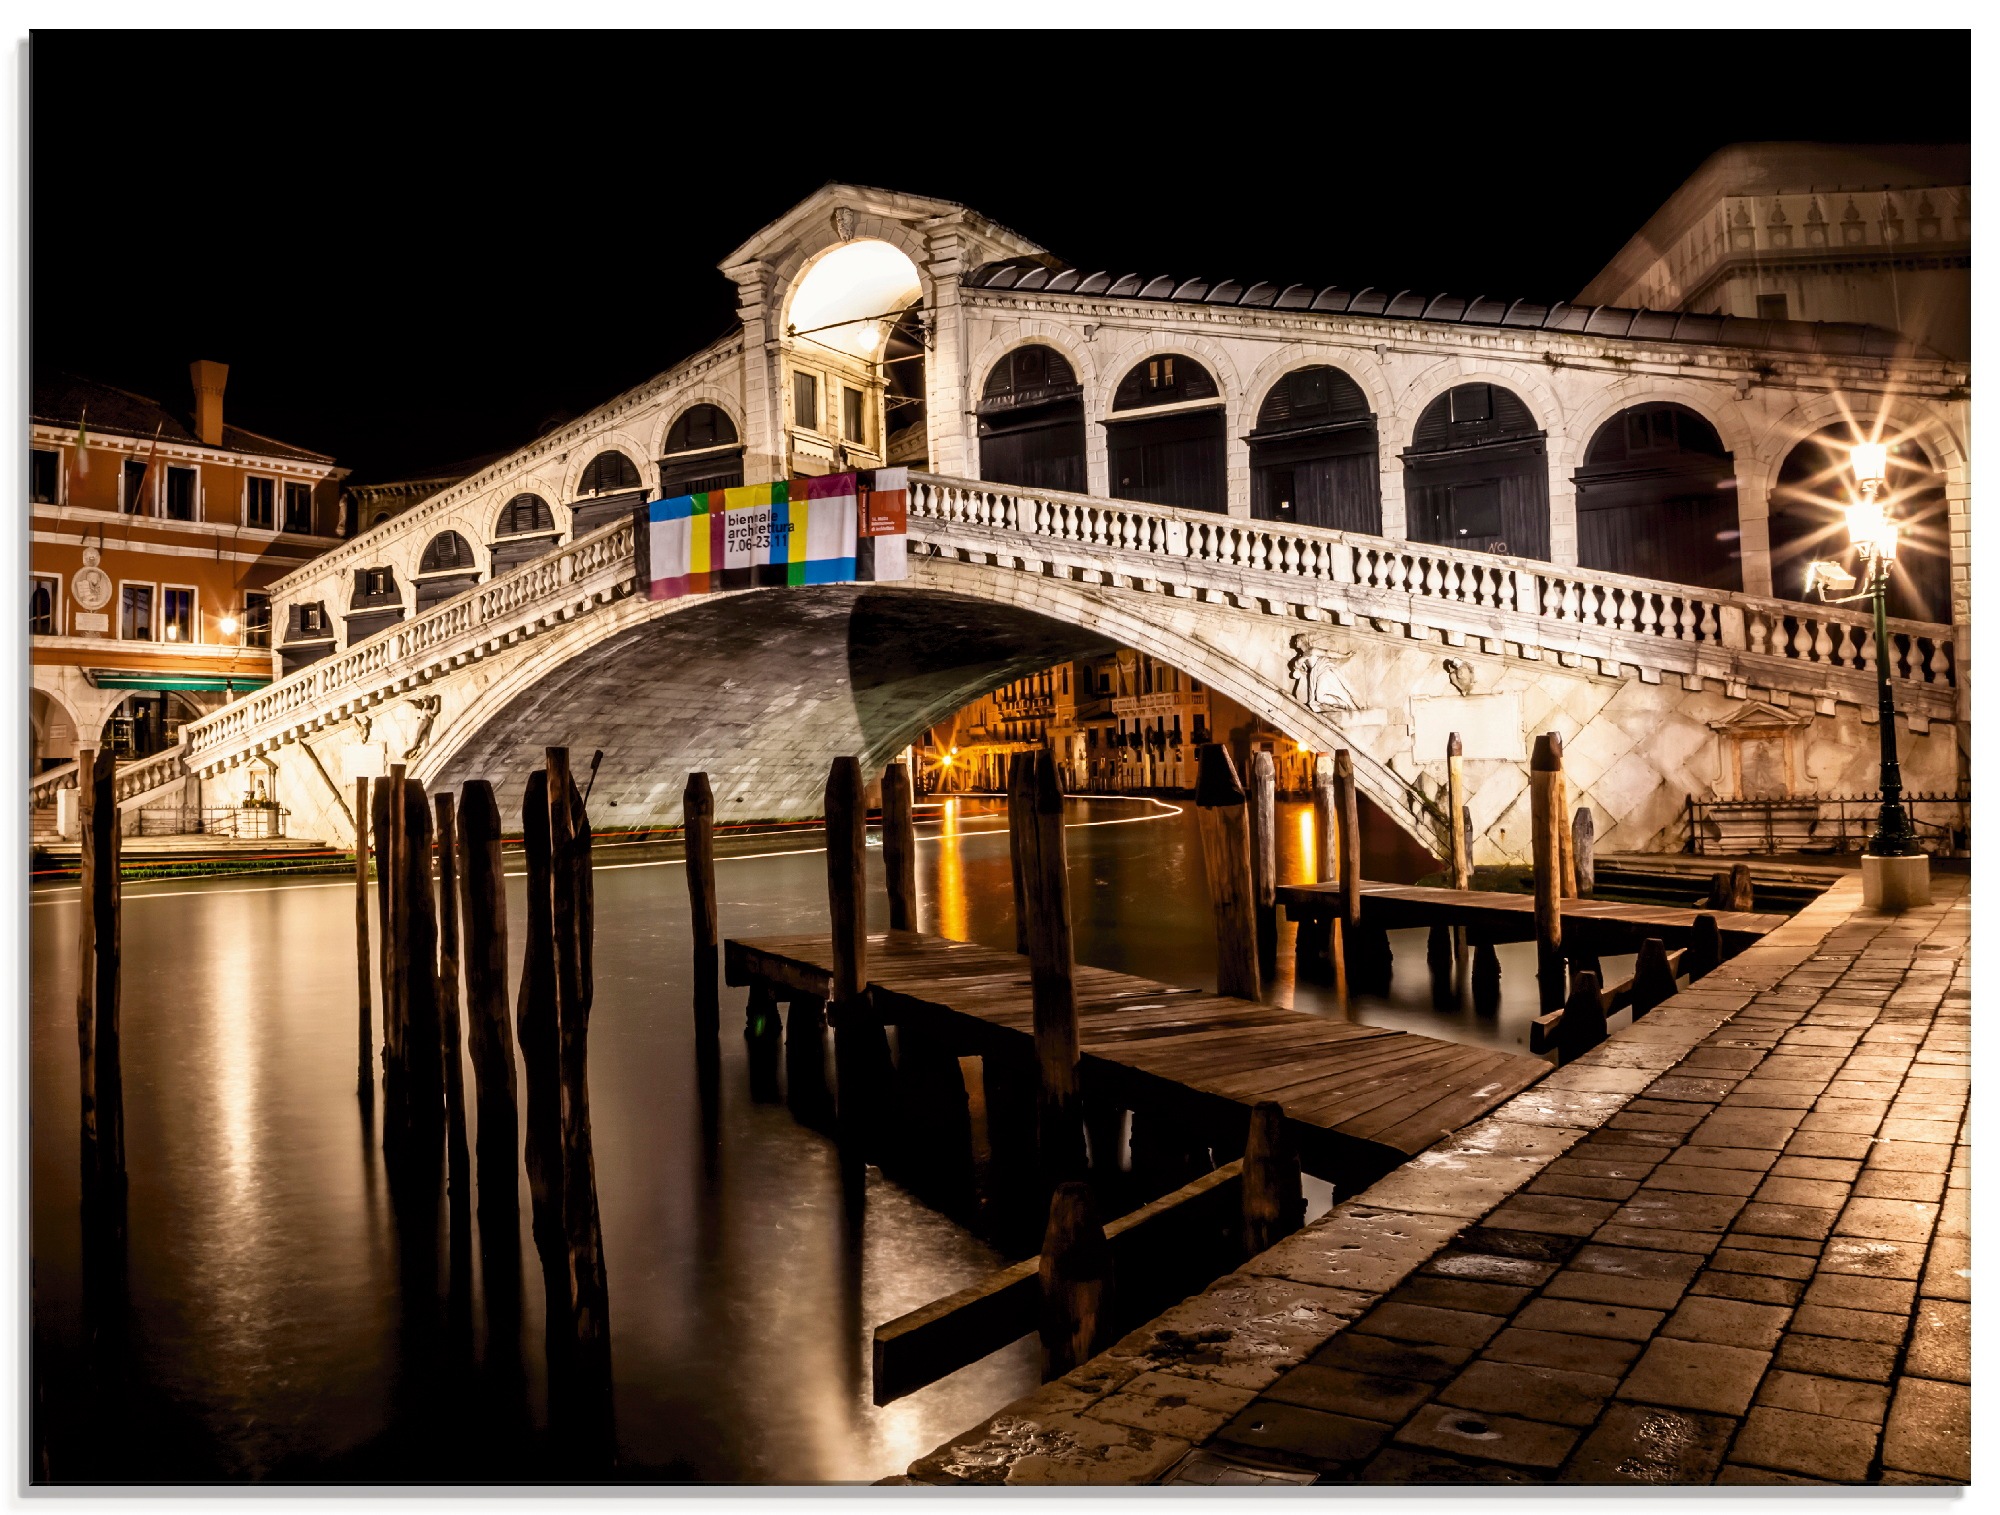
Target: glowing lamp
pixel 1870 462
pixel 1886 536
pixel 1865 523
pixel 1829 578
pixel 228 625
pixel 173 632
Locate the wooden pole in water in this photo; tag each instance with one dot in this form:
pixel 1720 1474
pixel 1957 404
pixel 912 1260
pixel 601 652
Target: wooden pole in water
pixel 1274 1201
pixel 1704 954
pixel 899 846
pixel 1559 808
pixel 1264 858
pixel 1742 894
pixel 395 952
pixel 1076 1282
pixel 483 902
pixel 1052 963
pixel 364 1077
pixel 704 916
pixel 1020 813
pixel 1583 837
pixel 451 1036
pixel 1461 838
pixel 535 1025
pixel 1583 1019
pixel 1222 814
pixel 1545 827
pixel 381 825
pixel 1348 808
pixel 1316 940
pixel 857 1063
pixel 99 1064
pixel 1652 977
pixel 417 956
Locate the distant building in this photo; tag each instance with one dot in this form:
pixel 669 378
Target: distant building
pixel 157 531
pixel 1807 231
pixel 364 506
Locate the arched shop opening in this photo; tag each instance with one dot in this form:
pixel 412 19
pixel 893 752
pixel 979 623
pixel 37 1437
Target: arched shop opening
pixel 1476 474
pixel 1165 435
pixel 1808 521
pixel 1031 422
pixel 609 489
pixel 1656 498
pixel 1313 455
pixel 703 453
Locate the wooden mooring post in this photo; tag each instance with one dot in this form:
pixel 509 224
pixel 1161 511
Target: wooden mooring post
pixel 1545 826
pixel 1059 1140
pixel 419 1112
pixel 1583 839
pixel 1020 814
pixel 483 904
pixel 535 1025
pixel 1076 1282
pixel 1582 1024
pixel 452 1040
pixel 1652 977
pixel 381 826
pixel 364 1076
pixel 899 845
pixel 1704 953
pixel 860 1048
pixel 1316 944
pixel 1455 812
pixel 99 1062
pixel 704 918
pixel 1264 859
pixel 1274 1201
pixel 1222 814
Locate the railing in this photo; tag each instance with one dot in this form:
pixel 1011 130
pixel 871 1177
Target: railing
pixel 242 822
pixel 1834 823
pixel 136 778
pixel 1560 600
pixel 44 786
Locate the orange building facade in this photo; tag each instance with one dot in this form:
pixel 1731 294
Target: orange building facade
pixel 156 532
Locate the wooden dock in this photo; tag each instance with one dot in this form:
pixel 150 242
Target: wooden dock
pixel 1357 1098
pixel 1591 925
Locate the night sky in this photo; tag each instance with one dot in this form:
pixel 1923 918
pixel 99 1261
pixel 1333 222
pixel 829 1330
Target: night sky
pixel 418 249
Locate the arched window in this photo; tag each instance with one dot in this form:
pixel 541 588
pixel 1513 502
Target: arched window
pixel 1031 422
pixel 1313 458
pixel 1656 498
pixel 608 473
pixel 1476 474
pixel 1808 521
pixel 526 530
pixel 447 552
pixel 1172 459
pixel 703 453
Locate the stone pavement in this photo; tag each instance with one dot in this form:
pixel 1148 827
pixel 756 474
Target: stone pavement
pixel 1730 1245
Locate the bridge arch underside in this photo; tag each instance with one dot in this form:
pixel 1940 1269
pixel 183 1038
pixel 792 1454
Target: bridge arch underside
pixel 759 691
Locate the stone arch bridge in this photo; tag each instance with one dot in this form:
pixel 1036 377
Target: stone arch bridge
pixel 1338 640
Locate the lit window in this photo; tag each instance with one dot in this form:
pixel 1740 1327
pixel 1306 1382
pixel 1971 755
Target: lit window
pixel 180 494
pixel 260 503
pixel 177 615
pixel 135 613
pixel 299 508
pixel 44 468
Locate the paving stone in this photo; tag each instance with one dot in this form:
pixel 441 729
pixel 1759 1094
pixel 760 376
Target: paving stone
pixel 1172 1404
pixel 1625 1276
pixel 1688 1179
pixel 1845 1170
pixel 1948 1274
pixel 1052 1449
pixel 1340 1391
pixel 1888 1219
pixel 1941 1341
pixel 1465 1294
pixel 1769 1264
pixel 1819 1446
pixel 1578 1186
pixel 1683 1086
pixel 1827 1144
pixel 1848 1291
pixel 1873 1258
pixel 1955 1214
pixel 1358 1247
pixel 1752 1159
pixel 1647 1444
pixel 1206 1469
pixel 1802 1221
pixel 1486 1268
pixel 1842 1398
pixel 1917 1130
pixel 1929 1429
pixel 1696 1375
pixel 1456 1328
pixel 1912 1157
pixel 1756 1288
pixel 1498 1438
pixel 1551 1213
pixel 1538 1246
pixel 1850 1325
pixel 1378 1356
pixel 1597 1167
pixel 1295 1433
pixel 1655 1209
pixel 1415 1465
pixel 1606 1356
pixel 1697 1243
pixel 1242 1330
pixel 1562 1396
pixel 1746 1128
pixel 1579 1318
pixel 1733 1322
pixel 1818 1193
pixel 1737 1473
pixel 1853 1123
pixel 1887 1183
pixel 1895 1476
pixel 1835 1358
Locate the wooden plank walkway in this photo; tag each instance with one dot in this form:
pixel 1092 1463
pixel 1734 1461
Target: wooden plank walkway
pixel 1603 926
pixel 1357 1098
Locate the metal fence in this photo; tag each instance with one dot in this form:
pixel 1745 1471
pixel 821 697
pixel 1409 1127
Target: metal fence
pixel 239 822
pixel 1833 823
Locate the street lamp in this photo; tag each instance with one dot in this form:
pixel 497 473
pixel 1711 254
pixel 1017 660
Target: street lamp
pixel 1874 534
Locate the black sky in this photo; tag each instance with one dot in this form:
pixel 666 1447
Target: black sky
pixel 415 249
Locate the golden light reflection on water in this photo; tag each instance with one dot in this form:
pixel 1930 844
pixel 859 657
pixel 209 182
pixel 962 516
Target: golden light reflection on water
pixel 953 910
pixel 1306 861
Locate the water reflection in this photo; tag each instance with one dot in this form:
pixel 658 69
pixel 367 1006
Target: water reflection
pixel 267 1285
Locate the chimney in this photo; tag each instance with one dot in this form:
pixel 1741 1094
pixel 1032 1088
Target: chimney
pixel 209 378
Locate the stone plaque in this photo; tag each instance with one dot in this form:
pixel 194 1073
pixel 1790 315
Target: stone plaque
pixel 87 622
pixel 1488 724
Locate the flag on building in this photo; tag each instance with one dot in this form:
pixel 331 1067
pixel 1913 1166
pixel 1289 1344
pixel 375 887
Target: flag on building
pixel 835 529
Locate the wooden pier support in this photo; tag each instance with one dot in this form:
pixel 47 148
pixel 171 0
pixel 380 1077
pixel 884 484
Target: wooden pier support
pixel 1052 966
pixel 535 1022
pixel 99 1061
pixel 483 904
pixel 364 1077
pixel 1020 810
pixel 1546 832
pixel 1582 1024
pixel 860 1048
pixel 1222 813
pixel 1076 1282
pixel 452 1042
pixel 1583 837
pixel 1264 859
pixel 381 823
pixel 1455 812
pixel 899 846
pixel 1652 977
pixel 1315 941
pixel 698 843
pixel 1704 953
pixel 1274 1201
pixel 805 1055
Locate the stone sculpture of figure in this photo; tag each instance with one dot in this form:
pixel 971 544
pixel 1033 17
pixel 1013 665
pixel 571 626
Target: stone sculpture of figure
pixel 1316 681
pixel 427 707
pixel 1460 674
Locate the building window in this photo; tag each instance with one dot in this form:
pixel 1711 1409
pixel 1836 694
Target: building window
pixel 177 623
pixel 608 473
pixel 44 474
pixel 1471 402
pixel 1772 308
pixel 805 401
pixel 135 612
pixel 526 513
pixel 376 581
pixel 180 494
pixel 850 415
pixel 299 508
pixel 260 503
pixel 133 495
pixel 256 620
pixel 312 620
pixel 42 606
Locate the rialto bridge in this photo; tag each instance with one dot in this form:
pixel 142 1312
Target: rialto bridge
pixel 1368 517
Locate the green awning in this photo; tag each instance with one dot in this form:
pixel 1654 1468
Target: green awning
pixel 166 682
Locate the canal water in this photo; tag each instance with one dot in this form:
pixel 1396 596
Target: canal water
pixel 260 1330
